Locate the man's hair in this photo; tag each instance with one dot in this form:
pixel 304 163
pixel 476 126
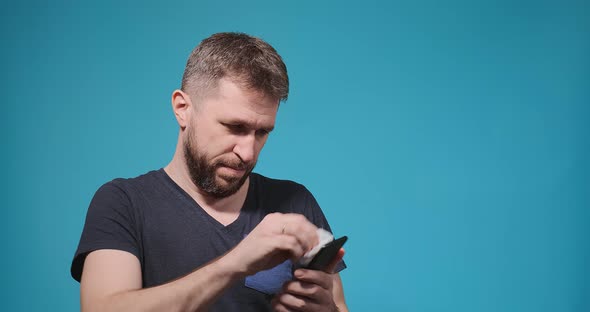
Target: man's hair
pixel 248 61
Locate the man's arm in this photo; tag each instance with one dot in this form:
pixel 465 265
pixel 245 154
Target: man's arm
pixel 111 279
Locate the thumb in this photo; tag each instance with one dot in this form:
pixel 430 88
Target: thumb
pixel 330 269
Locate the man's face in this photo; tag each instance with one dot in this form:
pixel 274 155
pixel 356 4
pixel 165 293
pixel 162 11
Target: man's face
pixel 225 135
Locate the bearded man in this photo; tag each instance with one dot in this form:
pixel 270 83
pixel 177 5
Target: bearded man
pixel 205 232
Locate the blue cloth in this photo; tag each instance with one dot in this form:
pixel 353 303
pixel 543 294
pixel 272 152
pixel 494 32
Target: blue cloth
pixel 271 281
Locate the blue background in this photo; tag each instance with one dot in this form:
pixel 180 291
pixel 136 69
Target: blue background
pixel 448 139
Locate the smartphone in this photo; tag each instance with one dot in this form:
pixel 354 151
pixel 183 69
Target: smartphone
pixel 326 255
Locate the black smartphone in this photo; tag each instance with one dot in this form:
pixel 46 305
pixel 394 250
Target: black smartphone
pixel 326 255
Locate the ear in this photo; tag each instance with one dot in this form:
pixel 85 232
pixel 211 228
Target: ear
pixel 182 107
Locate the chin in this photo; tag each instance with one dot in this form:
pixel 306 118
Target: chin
pixel 228 182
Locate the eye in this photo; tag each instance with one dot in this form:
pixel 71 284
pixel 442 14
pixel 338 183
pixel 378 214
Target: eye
pixel 262 132
pixel 235 128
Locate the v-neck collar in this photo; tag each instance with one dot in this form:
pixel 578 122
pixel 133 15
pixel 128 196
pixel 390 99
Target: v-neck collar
pixel 232 227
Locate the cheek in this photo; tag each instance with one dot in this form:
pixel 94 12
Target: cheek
pixel 221 147
pixel 211 139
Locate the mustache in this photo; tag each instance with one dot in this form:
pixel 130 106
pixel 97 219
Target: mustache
pixel 237 164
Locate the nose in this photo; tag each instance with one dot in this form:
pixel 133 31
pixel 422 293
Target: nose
pixel 246 148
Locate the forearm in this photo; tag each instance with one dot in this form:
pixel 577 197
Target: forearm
pixel 193 292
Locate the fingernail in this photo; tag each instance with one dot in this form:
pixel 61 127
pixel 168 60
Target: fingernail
pixel 299 273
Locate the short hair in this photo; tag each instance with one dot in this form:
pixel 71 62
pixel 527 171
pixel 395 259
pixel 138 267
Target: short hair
pixel 248 61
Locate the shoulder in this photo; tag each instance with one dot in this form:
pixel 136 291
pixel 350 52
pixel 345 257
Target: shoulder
pixel 147 178
pixel 287 196
pixel 271 185
pixel 129 186
pixel 125 192
pixel 283 195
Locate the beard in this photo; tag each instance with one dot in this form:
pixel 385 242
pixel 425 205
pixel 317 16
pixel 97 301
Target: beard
pixel 203 172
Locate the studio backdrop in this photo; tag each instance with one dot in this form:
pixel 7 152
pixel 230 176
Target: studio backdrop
pixel 449 140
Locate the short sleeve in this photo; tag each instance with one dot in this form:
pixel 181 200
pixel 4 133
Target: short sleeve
pixel 316 216
pixel 110 224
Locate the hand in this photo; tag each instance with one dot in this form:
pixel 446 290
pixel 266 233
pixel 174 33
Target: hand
pixel 276 238
pixel 310 291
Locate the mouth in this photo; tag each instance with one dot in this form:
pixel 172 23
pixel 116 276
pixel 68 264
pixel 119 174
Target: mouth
pixel 233 171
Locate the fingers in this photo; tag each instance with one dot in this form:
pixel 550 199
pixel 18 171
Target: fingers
pixel 304 289
pixel 310 291
pixel 290 244
pixel 298 226
pixel 319 278
pixel 289 302
pixel 302 296
pixel 277 306
pixel 295 225
pixel 277 238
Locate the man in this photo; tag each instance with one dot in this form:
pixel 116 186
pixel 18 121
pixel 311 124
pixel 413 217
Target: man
pixel 205 233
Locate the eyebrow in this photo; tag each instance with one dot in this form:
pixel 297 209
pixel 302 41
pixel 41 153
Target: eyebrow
pixel 248 124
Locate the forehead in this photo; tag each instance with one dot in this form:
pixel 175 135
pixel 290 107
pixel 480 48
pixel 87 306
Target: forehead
pixel 230 102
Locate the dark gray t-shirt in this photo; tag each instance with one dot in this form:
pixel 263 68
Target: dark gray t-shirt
pixel 151 217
